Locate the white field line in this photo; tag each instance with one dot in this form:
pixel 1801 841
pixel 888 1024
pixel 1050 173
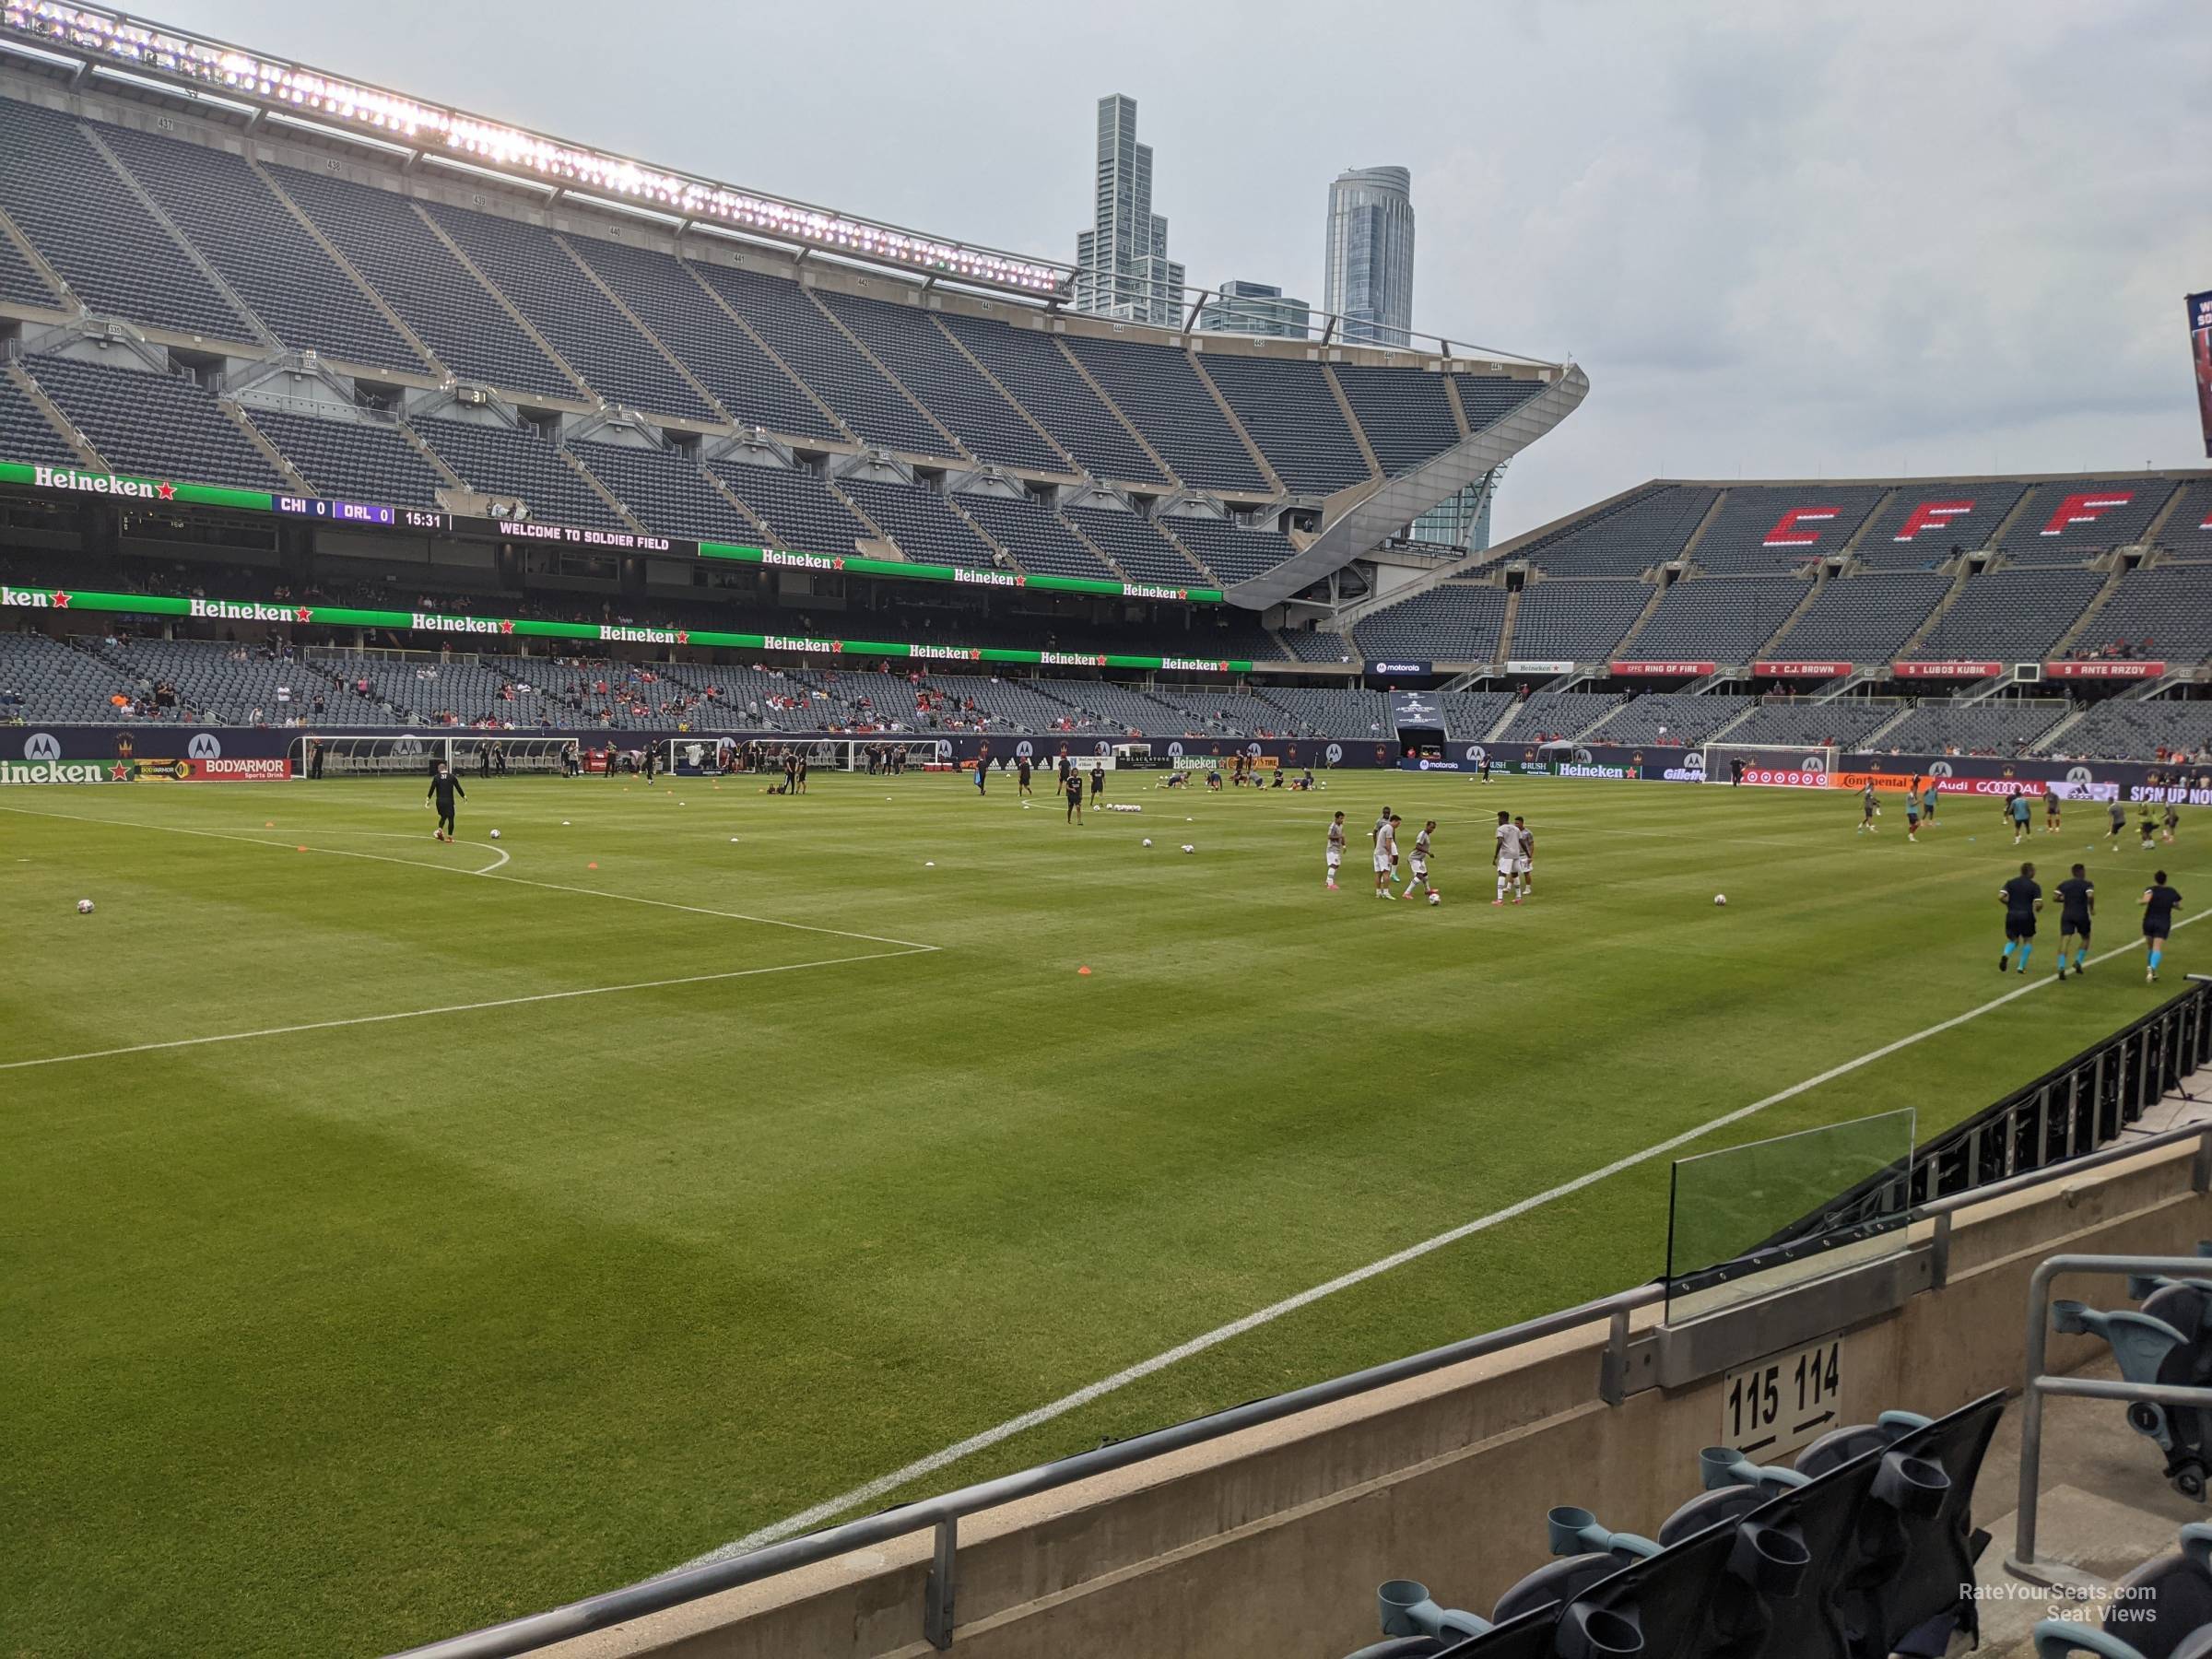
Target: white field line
pixel 502 1002
pixel 908 946
pixel 883 1485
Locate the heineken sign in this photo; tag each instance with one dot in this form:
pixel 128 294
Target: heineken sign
pixel 169 494
pixel 442 624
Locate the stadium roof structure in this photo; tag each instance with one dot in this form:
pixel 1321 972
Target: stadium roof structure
pixel 422 261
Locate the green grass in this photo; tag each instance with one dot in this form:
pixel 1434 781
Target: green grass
pixel 345 1339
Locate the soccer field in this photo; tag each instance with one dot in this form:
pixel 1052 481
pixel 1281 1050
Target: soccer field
pixel 404 1236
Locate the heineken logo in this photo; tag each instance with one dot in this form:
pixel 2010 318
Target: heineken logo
pixel 226 611
pixel 954 654
pixel 803 562
pixel 1148 590
pixel 987 578
pixel 1070 659
pixel 33 598
pixel 643 635
pixel 1203 663
pixel 107 484
pixel 798 643
pixel 432 622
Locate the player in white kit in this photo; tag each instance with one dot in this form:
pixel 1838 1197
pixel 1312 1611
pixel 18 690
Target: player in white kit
pixel 1336 849
pixel 1525 859
pixel 1421 861
pixel 1386 856
pixel 1509 856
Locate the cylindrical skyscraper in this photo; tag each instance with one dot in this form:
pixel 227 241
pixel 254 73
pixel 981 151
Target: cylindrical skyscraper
pixel 1369 264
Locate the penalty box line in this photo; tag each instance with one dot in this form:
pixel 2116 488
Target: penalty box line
pixel 884 1485
pixel 905 946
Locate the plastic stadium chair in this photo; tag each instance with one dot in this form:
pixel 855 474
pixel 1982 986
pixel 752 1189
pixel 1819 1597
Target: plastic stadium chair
pixel 2150 1348
pixel 2162 1611
pixel 2142 1287
pixel 1923 1550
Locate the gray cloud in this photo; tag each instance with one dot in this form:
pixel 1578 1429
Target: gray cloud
pixel 1814 238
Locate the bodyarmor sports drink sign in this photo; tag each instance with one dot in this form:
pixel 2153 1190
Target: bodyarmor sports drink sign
pixel 2200 356
pixel 447 624
pixel 169 495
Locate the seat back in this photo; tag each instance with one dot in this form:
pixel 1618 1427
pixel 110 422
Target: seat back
pixel 1919 1560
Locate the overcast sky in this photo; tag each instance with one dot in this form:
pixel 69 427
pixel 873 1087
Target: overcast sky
pixel 1783 237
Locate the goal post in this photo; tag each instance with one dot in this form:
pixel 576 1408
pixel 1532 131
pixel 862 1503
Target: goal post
pixel 1798 765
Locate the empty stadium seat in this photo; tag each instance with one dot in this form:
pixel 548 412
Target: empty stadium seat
pixel 1576 621
pixel 1454 621
pixel 1997 727
pixel 2188 528
pixel 264 255
pixel 25 432
pixel 1713 620
pixel 1406 414
pixel 2011 615
pixel 666 491
pixel 352 459
pixel 1034 534
pixel 1765 526
pixel 1676 719
pixel 1286 408
pixel 513 461
pixel 1917 528
pixel 91 228
pixel 145 422
pixel 1556 716
pixel 1135 544
pixel 2167 1340
pixel 1863 619
pixel 2121 730
pixel 2161 1610
pixel 1842 721
pixel 1489 398
pixel 921 520
pixel 1233 552
pixel 2067 520
pixel 2162 611
pixel 906 340
pixel 1044 382
pixel 1156 387
pixel 801 511
pixel 1648 527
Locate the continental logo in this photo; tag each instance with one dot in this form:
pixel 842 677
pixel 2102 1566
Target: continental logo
pixel 987 578
pixel 55 772
pixel 107 484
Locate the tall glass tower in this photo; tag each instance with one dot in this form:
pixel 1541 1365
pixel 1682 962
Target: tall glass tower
pixel 1369 263
pixel 1123 268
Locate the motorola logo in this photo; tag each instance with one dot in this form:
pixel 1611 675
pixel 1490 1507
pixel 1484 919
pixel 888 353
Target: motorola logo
pixel 1939 769
pixel 1174 751
pixel 2078 775
pixel 1024 749
pixel 406 745
pixel 42 745
pixel 1334 753
pixel 204 746
pixel 1476 754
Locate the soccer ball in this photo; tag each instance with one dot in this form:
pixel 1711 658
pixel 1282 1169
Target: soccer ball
pixel 1147 841
pixel 495 835
pixel 1436 897
pixel 1188 848
pixel 1720 898
pixel 84 907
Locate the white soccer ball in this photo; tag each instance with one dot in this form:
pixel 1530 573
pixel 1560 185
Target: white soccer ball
pixel 1436 897
pixel 84 907
pixel 495 835
pixel 1188 848
pixel 1720 898
pixel 1147 841
pixel 929 864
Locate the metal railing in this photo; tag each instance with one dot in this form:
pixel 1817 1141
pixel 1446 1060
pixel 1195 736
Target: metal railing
pixel 2038 1384
pixel 2083 1104
pixel 943 1514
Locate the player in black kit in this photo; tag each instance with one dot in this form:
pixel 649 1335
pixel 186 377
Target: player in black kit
pixel 2022 898
pixel 2077 903
pixel 444 786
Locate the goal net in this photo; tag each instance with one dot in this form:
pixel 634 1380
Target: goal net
pixel 1790 764
pixel 368 756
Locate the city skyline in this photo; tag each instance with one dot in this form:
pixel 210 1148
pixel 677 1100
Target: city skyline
pixel 1367 258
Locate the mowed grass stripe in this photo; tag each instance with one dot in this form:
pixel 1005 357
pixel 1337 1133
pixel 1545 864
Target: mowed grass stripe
pixel 583 1294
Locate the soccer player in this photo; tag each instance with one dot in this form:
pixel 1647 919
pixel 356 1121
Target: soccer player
pixel 802 774
pixel 2174 821
pixel 1912 811
pixel 983 765
pixel 2017 809
pixel 650 758
pixel 1525 859
pixel 444 786
pixel 1420 860
pixel 2118 813
pixel 1486 767
pixel 1386 856
pixel 1509 856
pixel 2076 904
pixel 1867 810
pixel 1021 774
pixel 1375 835
pixel 2148 827
pixel 1336 849
pixel 1098 784
pixel 2021 898
pixel 1927 803
pixel 2050 808
pixel 2159 903
pixel 1072 781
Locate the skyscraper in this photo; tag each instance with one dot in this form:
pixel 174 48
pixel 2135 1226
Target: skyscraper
pixel 1255 308
pixel 1369 259
pixel 1123 268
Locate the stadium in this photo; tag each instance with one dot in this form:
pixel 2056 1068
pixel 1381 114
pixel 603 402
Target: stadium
pixel 884 1120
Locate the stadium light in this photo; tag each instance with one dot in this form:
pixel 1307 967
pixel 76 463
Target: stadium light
pixel 192 94
pixel 38 54
pixel 173 55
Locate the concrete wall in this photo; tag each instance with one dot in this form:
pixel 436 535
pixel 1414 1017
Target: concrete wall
pixel 1271 1542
